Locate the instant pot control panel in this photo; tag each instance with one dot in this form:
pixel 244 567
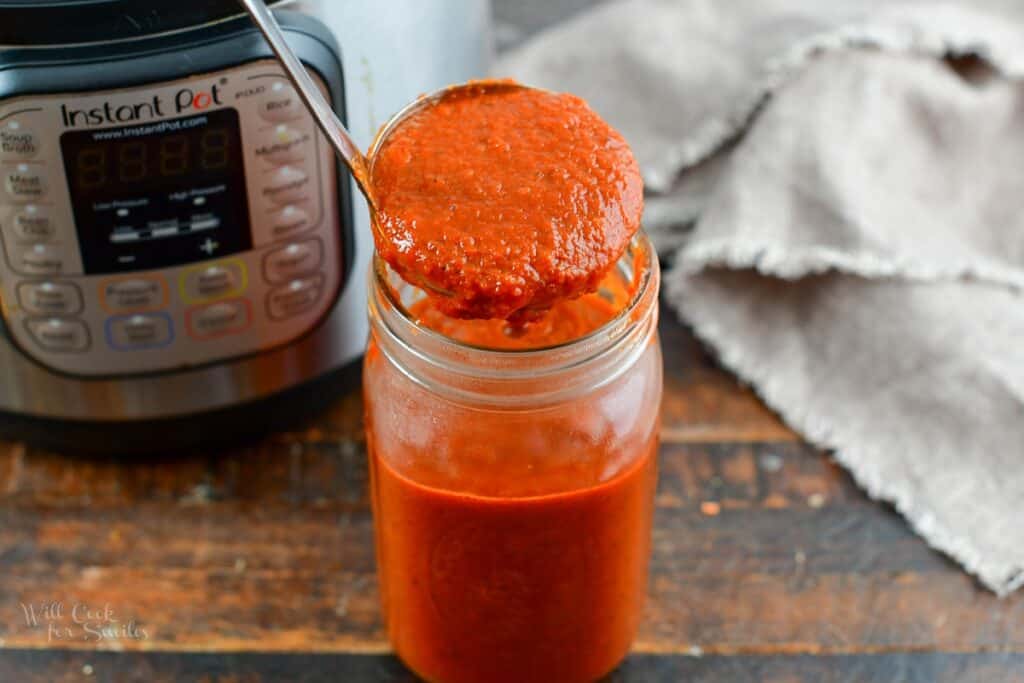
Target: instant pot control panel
pixel 168 225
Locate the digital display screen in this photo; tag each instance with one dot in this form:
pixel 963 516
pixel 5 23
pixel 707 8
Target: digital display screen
pixel 158 194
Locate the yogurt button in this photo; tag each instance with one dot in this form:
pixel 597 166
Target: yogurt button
pixel 24 182
pixel 17 141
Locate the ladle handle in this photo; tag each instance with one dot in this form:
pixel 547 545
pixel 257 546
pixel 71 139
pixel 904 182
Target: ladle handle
pixel 325 117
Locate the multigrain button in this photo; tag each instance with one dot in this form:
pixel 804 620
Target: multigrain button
pixel 139 331
pixel 41 298
pixel 216 320
pixel 59 334
pixel 286 184
pixel 32 223
pixel 25 182
pixel 298 296
pixel 39 259
pixel 281 103
pixel 292 261
pixel 289 220
pixel 284 144
pixel 17 141
pixel 133 294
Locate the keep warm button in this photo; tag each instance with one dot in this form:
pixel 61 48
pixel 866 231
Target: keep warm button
pixel 298 296
pixel 215 320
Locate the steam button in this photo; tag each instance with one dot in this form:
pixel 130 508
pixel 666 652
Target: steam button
pixel 58 334
pixel 24 182
pixel 281 103
pixel 18 142
pixel 289 220
pixel 294 260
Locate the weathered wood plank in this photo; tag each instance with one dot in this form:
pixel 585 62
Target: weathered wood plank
pixel 759 548
pixel 75 667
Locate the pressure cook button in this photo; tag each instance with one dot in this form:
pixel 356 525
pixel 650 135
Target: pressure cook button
pixel 284 144
pixel 292 261
pixel 298 296
pixel 281 103
pixel 41 298
pixel 32 224
pixel 289 220
pixel 18 142
pixel 139 331
pixel 24 182
pixel 58 334
pixel 215 320
pixel 287 184
pixel 40 259
pixel 133 294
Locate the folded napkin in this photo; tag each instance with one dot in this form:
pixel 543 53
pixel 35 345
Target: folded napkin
pixel 844 204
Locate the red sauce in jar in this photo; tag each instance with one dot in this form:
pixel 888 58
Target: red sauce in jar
pixel 506 198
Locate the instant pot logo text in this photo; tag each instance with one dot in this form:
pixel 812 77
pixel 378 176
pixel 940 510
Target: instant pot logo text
pixel 185 100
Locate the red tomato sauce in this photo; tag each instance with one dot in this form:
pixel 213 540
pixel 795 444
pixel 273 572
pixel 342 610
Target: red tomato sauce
pixel 506 198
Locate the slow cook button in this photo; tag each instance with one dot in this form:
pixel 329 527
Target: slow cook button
pixel 32 224
pixel 39 259
pixel 18 142
pixel 281 103
pixel 289 220
pixel 292 261
pixel 287 184
pixel 24 182
pixel 284 144
pixel 298 296
pixel 139 331
pixel 58 334
pixel 215 320
pixel 40 298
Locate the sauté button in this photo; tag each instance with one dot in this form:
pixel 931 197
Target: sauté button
pixel 292 261
pixel 17 141
pixel 42 298
pixel 59 334
pixel 289 220
pixel 298 296
pixel 32 223
pixel 284 144
pixel 134 294
pixel 281 103
pixel 39 259
pixel 215 281
pixel 287 184
pixel 139 331
pixel 24 182
pixel 215 320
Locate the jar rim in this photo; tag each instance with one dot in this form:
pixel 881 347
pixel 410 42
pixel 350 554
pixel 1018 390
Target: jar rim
pixel 649 275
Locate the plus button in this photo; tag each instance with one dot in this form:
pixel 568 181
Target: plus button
pixel 209 246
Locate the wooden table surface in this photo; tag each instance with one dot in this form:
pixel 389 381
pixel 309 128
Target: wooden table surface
pixel 256 565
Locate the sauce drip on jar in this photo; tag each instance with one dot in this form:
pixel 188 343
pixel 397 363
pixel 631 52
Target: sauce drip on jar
pixel 503 200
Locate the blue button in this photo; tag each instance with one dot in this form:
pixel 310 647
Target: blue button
pixel 139 331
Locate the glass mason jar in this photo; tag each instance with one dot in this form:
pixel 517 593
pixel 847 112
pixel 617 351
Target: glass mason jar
pixel 513 490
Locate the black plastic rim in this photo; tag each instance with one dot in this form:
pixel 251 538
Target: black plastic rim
pixel 37 23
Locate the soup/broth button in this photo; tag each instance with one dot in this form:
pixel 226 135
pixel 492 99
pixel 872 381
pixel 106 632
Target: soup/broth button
pixel 18 141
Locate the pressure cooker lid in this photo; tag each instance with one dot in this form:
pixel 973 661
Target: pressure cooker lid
pixel 33 23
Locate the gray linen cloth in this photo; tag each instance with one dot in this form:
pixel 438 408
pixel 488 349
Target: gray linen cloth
pixel 845 212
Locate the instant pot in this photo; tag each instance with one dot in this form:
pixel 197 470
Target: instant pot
pixel 183 258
